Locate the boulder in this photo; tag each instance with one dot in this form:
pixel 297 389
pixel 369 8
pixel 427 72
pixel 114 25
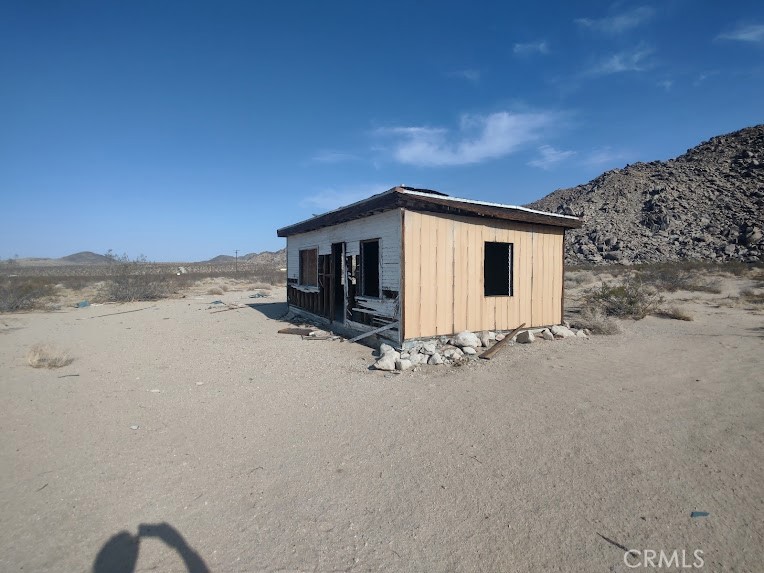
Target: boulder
pixel 386 362
pixel 384 348
pixel 435 359
pixel 429 347
pixel 418 359
pixel 546 335
pixel 525 337
pixel 499 337
pixel 581 334
pixel 469 351
pixel 485 338
pixel 403 364
pixel 466 338
pixel 560 331
pixel 453 353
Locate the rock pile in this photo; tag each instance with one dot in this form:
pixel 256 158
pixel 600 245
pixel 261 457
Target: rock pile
pixel 707 204
pixel 461 347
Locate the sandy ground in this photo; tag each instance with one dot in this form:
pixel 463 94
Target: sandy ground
pixel 265 452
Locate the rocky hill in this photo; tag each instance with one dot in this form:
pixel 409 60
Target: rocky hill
pixel 269 258
pixel 85 258
pixel 707 204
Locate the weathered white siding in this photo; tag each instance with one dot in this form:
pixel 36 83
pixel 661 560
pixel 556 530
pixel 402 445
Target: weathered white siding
pixel 385 226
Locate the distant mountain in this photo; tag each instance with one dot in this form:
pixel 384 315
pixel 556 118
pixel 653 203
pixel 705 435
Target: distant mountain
pixel 272 258
pixel 707 204
pixel 86 258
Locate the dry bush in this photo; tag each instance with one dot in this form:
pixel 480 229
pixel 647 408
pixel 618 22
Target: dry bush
pixel 24 293
pixel 597 322
pixel 579 278
pixel 132 280
pixel 675 312
pixel 215 291
pixel 629 299
pixel 260 286
pixel 44 356
pixel 672 278
pixel 750 296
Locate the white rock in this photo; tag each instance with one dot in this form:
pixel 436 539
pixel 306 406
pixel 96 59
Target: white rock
pixel 499 337
pixel 467 338
pixel 386 362
pixel 469 351
pixel 418 359
pixel 435 359
pixel 491 335
pixel 405 355
pixel 525 337
pixel 560 331
pixel 429 347
pixel 403 364
pixel 581 334
pixel 546 335
pixel 485 339
pixel 134 427
pixel 384 348
pixel 453 353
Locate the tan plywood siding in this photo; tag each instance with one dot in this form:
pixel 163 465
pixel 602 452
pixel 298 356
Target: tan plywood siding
pixel 444 258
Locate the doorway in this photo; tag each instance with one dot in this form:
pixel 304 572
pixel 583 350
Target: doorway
pixel 338 283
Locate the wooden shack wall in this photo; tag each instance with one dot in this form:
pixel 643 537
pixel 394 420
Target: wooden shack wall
pixel 443 275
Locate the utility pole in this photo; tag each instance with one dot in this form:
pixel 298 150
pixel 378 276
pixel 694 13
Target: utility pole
pixel 237 260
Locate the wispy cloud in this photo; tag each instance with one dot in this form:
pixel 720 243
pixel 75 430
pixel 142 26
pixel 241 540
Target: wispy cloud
pixel 636 60
pixel 605 157
pixel 549 157
pixel 618 23
pixel 703 76
pixel 666 84
pixel 479 138
pixel 469 75
pixel 531 48
pixel 331 156
pixel 332 198
pixel 746 33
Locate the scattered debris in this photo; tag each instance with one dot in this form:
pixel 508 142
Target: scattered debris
pixel 259 295
pixel 68 375
pixel 699 514
pixel 82 304
pixel 488 354
pixel 116 313
pixel 134 427
pixel 298 331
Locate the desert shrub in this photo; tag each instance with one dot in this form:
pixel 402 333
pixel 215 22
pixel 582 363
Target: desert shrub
pixel 260 286
pixel 24 293
pixel 675 312
pixel 749 296
pixel 578 278
pixel 673 278
pixel 215 291
pixel 597 322
pixel 44 356
pixel 132 280
pixel 630 298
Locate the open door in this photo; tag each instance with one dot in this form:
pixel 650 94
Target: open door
pixel 337 294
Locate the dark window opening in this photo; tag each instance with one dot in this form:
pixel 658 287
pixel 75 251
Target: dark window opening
pixel 497 269
pixel 309 267
pixel 370 268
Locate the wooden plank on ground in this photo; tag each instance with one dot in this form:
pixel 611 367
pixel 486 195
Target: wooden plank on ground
pixel 488 354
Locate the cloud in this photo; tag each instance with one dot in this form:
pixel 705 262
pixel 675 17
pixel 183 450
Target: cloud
pixel 330 156
pixel 636 60
pixel 604 156
pixel 332 198
pixel 550 157
pixel 531 48
pixel 749 33
pixel 703 76
pixel 478 139
pixel 618 23
pixel 666 84
pixel 469 75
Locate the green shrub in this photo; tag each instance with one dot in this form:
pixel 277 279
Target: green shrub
pixel 132 280
pixel 629 299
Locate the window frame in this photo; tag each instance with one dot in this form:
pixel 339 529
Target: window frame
pixel 362 289
pixel 510 271
pixel 300 266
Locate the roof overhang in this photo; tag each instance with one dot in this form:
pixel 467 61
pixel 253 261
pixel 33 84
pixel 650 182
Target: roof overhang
pixel 429 201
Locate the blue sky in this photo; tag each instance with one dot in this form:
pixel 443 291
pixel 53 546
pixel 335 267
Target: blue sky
pixel 183 130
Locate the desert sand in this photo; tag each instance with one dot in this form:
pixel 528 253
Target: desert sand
pixel 266 452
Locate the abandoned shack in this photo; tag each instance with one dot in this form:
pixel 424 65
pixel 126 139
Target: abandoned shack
pixel 413 263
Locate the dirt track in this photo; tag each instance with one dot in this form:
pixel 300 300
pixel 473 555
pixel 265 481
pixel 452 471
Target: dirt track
pixel 270 453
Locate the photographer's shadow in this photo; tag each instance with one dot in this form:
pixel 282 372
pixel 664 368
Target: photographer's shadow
pixel 120 553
